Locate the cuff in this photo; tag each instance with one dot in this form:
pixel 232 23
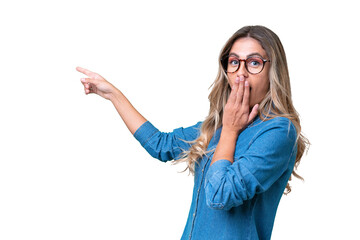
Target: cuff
pixel 214 185
pixel 216 170
pixel 145 132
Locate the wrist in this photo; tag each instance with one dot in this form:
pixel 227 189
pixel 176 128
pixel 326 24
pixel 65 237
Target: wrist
pixel 230 133
pixel 115 95
pixel 228 139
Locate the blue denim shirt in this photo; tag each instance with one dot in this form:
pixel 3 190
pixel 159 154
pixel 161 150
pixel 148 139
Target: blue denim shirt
pixel 232 201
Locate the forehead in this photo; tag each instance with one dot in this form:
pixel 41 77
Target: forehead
pixel 247 46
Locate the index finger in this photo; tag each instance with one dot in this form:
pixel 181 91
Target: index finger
pixel 85 71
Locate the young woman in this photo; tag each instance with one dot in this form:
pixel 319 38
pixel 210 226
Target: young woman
pixel 243 154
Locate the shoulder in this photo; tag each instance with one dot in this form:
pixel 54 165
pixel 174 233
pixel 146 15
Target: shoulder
pixel 196 127
pixel 277 129
pixel 273 123
pixel 189 132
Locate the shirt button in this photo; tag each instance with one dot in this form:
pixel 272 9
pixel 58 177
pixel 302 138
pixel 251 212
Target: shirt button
pixel 193 214
pixel 202 170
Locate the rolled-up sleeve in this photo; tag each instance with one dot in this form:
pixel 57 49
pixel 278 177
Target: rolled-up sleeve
pixel 266 159
pixel 166 145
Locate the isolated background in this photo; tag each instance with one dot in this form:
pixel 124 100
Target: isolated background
pixel 69 168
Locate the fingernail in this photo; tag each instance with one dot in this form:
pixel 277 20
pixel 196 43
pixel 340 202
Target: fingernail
pixel 246 83
pixel 83 79
pixel 237 79
pixel 242 78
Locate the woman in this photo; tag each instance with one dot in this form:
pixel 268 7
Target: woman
pixel 243 154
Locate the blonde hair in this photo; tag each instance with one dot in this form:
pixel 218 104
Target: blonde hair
pixel 277 102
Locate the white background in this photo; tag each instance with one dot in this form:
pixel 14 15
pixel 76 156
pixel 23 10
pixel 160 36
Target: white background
pixel 69 168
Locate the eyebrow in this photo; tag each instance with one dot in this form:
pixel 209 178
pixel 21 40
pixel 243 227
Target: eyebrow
pixel 249 55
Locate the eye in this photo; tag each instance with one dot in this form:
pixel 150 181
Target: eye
pixel 254 62
pixel 233 61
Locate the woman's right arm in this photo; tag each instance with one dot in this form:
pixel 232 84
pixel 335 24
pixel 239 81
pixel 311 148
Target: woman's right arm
pixel 94 83
pixel 160 145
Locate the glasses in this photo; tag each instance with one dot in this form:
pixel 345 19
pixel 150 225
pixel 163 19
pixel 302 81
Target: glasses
pixel 253 65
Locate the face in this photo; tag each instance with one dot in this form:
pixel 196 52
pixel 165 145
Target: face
pixel 259 83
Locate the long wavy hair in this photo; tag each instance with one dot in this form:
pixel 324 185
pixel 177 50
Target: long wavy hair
pixel 276 103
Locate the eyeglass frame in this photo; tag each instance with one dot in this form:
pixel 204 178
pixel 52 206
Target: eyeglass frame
pixel 243 60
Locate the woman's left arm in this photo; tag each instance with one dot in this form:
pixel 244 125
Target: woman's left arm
pixel 236 117
pixel 269 157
